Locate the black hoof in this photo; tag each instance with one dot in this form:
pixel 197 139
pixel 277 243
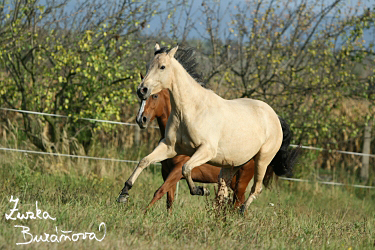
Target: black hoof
pixel 202 191
pixel 242 210
pixel 123 198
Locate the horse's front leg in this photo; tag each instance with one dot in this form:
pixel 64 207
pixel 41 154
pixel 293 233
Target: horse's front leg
pixel 160 153
pixel 169 186
pixel 203 154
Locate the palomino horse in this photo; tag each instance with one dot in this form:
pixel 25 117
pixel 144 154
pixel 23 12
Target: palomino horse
pixel 158 106
pixel 208 128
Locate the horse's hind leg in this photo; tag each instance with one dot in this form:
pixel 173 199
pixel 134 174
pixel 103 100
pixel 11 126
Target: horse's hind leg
pixel 240 183
pixel 262 160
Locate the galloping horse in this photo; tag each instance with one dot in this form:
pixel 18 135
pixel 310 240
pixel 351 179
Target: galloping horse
pixel 158 106
pixel 210 129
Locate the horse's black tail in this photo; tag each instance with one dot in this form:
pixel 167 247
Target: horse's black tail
pixel 285 158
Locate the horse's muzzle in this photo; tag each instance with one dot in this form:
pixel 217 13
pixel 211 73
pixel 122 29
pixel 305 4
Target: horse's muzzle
pixel 143 92
pixel 142 122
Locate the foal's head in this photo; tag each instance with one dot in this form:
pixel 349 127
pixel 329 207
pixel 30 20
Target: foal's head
pixel 157 105
pixel 159 74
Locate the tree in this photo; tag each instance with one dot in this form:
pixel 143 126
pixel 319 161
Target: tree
pixel 80 64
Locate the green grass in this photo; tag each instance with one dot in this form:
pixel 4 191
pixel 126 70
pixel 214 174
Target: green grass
pixel 82 194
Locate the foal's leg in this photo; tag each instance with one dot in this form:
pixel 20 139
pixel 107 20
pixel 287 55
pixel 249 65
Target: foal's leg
pixel 203 173
pixel 240 183
pixel 203 154
pixel 170 194
pixel 160 153
pixel 262 160
pixel 169 185
pixel 170 197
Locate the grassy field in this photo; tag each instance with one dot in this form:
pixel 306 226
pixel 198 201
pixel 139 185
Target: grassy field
pixel 81 194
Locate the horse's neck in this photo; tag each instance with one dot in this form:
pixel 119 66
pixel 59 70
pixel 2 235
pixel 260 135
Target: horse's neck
pixel 185 93
pixel 163 119
pixel 162 122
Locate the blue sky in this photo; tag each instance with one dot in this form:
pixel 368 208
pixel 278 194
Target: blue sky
pixel 345 5
pixel 225 15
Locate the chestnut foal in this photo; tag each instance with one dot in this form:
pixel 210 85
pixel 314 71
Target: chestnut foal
pixel 158 106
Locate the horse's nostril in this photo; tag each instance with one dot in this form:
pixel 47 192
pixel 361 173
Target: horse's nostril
pixel 144 90
pixel 144 119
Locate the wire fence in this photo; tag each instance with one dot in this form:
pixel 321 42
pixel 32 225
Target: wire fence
pixel 135 162
pixel 71 117
pixel 327 183
pixel 333 150
pixel 134 124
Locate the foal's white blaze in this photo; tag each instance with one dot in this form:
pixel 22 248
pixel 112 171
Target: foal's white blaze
pixel 208 128
pixel 141 110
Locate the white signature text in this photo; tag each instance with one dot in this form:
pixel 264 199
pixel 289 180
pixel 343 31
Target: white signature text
pixel 44 215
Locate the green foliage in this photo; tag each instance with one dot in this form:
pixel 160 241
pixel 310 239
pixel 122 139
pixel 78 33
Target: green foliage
pixel 88 73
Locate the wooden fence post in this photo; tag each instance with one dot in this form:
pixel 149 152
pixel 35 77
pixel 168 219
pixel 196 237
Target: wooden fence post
pixel 137 135
pixel 366 150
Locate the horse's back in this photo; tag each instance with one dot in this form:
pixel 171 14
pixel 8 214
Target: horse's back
pixel 255 113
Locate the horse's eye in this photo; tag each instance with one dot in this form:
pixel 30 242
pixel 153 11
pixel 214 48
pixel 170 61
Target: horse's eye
pixel 155 96
pixel 162 67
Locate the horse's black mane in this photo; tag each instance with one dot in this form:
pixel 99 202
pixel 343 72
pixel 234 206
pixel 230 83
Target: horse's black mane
pixel 186 57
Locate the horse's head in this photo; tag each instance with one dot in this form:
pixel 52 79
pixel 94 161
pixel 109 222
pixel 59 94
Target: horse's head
pixel 154 107
pixel 158 105
pixel 159 74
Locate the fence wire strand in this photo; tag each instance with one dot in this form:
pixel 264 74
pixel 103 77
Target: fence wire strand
pixel 134 124
pixel 134 162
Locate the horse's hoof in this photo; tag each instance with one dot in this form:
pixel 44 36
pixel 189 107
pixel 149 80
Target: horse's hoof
pixel 122 198
pixel 242 210
pixel 202 191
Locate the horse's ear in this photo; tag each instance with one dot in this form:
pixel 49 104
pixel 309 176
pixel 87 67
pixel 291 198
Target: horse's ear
pixel 157 47
pixel 141 76
pixel 173 51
